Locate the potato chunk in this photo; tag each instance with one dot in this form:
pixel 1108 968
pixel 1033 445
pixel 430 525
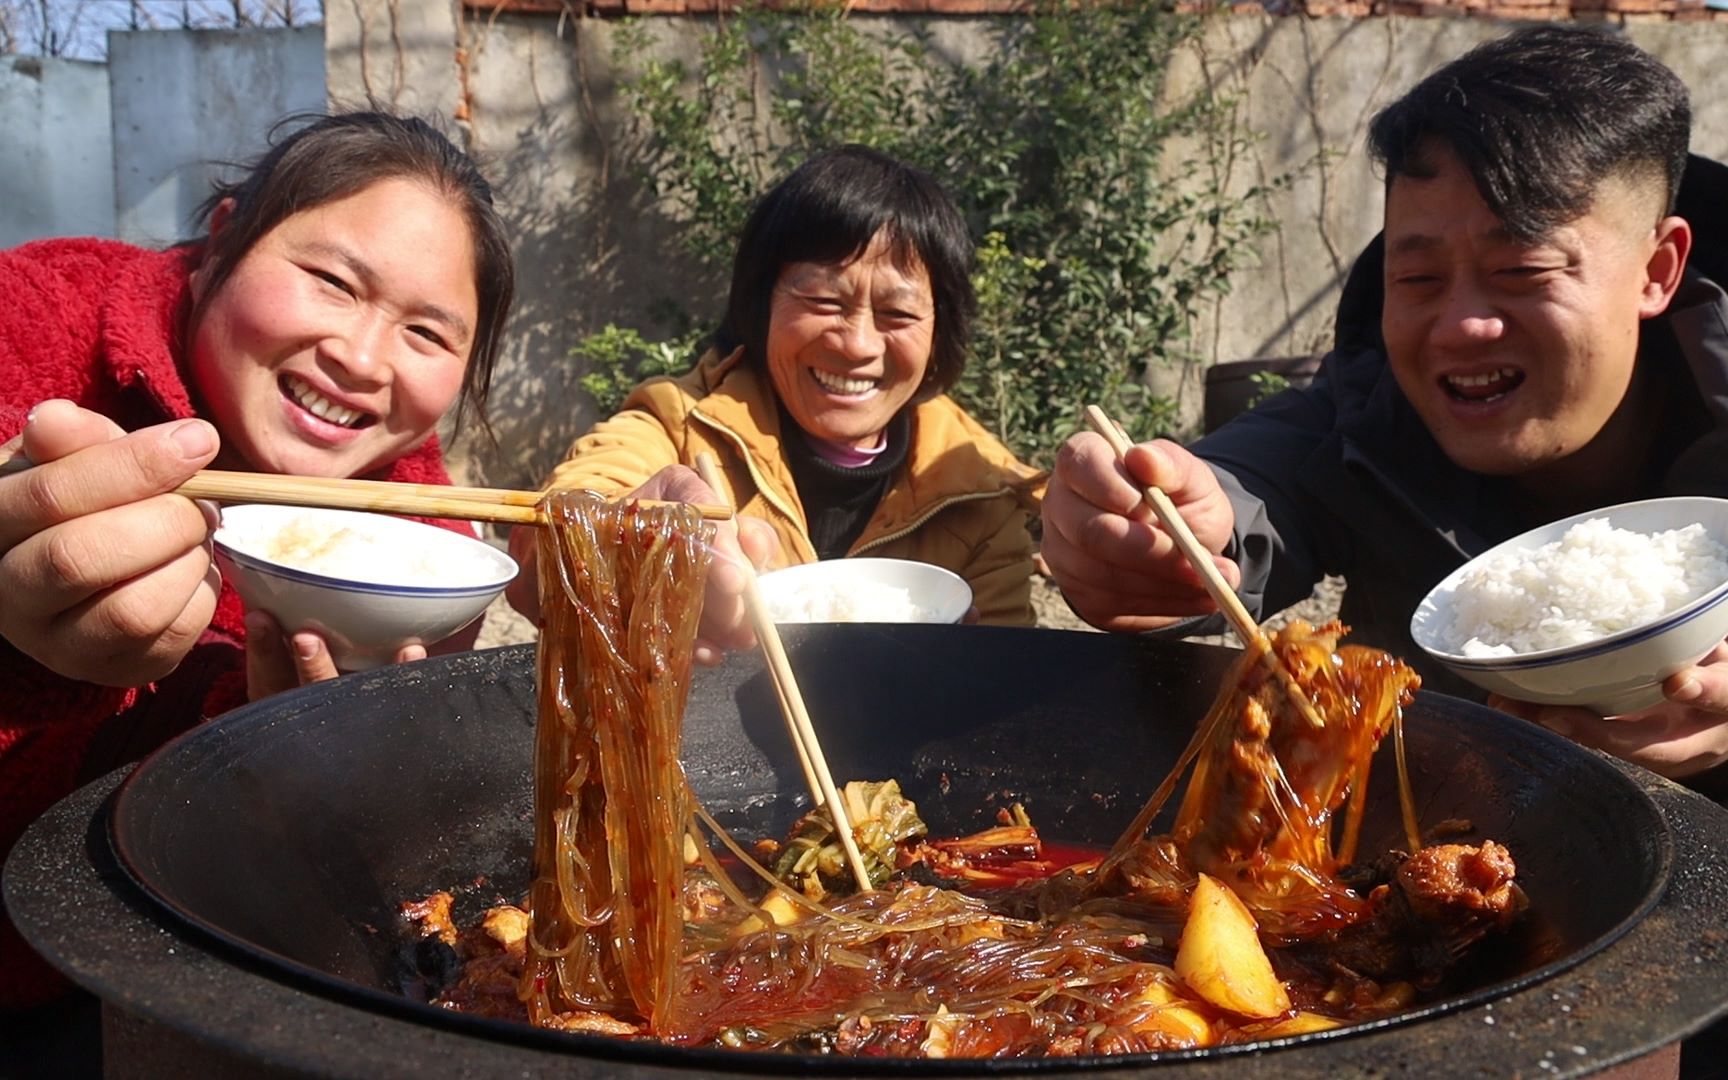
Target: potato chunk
pixel 1171 1020
pixel 779 910
pixel 1303 1023
pixel 1220 957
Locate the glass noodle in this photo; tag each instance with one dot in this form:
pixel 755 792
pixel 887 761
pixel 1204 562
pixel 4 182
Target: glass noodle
pixel 621 589
pixel 635 929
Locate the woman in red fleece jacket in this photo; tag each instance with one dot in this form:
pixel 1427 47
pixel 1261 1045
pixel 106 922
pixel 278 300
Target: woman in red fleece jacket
pixel 352 287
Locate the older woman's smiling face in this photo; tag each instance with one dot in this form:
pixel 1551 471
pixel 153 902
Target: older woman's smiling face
pixel 849 343
pixel 342 336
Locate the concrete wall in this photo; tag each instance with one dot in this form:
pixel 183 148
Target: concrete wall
pixel 537 98
pixel 184 102
pixel 127 148
pixel 56 172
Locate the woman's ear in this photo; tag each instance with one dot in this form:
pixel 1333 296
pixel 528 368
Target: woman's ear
pixel 219 216
pixel 1666 265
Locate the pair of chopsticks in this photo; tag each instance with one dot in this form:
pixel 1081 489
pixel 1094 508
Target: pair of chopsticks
pixel 1253 638
pixel 420 500
pixel 810 756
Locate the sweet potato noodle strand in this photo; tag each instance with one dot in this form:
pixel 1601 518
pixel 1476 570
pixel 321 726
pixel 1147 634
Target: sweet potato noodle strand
pixel 1077 964
pixel 620 595
pixel 1263 801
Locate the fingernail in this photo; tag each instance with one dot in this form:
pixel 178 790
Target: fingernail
pixel 39 406
pixel 195 438
pixel 305 646
pixel 1688 690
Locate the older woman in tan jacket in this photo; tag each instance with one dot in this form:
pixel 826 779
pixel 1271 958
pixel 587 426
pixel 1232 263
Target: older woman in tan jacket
pixel 823 400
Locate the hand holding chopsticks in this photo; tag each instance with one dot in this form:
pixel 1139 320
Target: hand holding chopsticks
pixel 1201 559
pixel 810 756
pixel 420 500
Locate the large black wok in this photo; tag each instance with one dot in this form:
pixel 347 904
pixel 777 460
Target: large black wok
pixel 288 833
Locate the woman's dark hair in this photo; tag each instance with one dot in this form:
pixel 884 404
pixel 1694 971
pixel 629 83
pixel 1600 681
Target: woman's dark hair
pixel 1540 118
pixel 326 158
pixel 827 211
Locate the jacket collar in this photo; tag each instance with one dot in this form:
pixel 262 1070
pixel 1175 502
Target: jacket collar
pixel 949 458
pixel 737 398
pixel 737 401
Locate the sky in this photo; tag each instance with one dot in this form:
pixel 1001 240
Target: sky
pixel 78 29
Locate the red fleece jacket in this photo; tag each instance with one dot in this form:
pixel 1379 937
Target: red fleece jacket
pixel 100 323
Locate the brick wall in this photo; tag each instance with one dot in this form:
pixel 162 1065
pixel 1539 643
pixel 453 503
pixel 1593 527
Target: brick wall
pixel 1609 11
pixel 1614 11
pixel 709 7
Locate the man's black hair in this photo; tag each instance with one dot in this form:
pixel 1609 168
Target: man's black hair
pixel 827 211
pixel 1540 118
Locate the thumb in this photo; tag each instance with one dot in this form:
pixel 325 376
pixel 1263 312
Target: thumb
pixel 758 540
pixel 1704 686
pixel 312 659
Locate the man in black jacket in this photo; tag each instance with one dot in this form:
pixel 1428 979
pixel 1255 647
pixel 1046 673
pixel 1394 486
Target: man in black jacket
pixel 1539 330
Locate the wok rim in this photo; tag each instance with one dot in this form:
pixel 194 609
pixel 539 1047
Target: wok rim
pixel 237 724
pixel 1667 980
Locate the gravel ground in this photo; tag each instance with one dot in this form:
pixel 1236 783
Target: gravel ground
pixel 504 627
pixel 1053 610
pixel 1319 607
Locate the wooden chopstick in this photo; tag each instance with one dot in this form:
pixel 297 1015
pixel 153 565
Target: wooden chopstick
pixel 791 701
pixel 1201 559
pixel 502 505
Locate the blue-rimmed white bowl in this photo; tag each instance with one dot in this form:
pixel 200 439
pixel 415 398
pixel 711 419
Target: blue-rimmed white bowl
pixel 866 590
pixel 1619 673
pixel 369 583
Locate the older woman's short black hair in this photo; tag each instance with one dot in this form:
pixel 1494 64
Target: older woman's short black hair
pixel 827 211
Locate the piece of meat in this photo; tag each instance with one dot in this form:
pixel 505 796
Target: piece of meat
pixel 1461 885
pixel 1420 923
pixel 593 1023
pixel 433 916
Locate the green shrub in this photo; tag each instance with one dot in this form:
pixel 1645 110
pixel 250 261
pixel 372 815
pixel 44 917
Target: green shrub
pixel 1098 238
pixel 618 358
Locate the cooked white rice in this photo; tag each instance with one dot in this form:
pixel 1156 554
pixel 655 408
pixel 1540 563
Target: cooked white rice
pixel 1594 581
pixel 307 542
pixel 846 601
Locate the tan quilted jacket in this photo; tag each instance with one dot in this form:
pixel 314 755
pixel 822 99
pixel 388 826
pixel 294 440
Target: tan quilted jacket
pixel 963 502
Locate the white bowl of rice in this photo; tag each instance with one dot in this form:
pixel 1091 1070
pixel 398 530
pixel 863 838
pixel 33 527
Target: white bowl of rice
pixel 369 583
pixel 1594 610
pixel 866 590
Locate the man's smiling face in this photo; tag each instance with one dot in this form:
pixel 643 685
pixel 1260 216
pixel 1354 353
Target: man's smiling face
pixel 1516 353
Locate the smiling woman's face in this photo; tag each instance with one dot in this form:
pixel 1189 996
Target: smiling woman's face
pixel 849 343
pixel 342 336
